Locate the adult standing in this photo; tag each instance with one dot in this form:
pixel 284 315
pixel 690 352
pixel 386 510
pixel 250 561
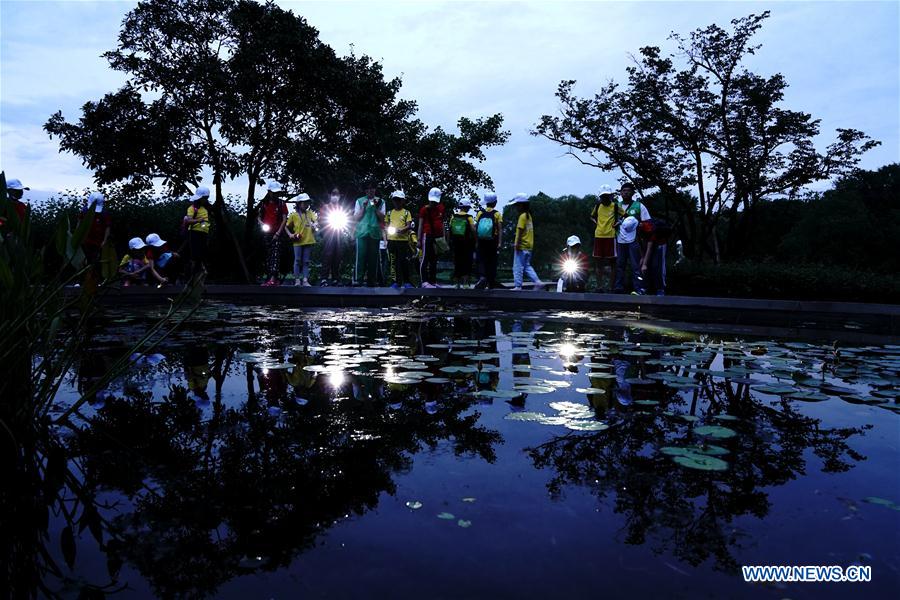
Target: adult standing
pixel 524 245
pixel 462 237
pixel 604 216
pixel 399 226
pixel 301 226
pixel 196 220
pixel 628 248
pixel 369 216
pixel 489 235
pixel 272 217
pixel 336 219
pixel 431 228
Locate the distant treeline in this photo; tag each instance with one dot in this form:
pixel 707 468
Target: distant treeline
pixel 840 244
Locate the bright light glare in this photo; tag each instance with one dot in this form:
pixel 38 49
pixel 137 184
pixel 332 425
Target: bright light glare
pixel 567 350
pixel 266 228
pixel 338 220
pixel 570 266
pixel 336 378
pixel 392 230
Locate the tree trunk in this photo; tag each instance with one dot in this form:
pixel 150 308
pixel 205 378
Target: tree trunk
pixel 222 225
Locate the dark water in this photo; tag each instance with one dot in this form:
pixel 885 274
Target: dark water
pixel 271 453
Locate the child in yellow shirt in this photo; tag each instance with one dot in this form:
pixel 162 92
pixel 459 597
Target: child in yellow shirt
pixel 301 227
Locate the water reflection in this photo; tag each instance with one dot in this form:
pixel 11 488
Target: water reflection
pixel 237 446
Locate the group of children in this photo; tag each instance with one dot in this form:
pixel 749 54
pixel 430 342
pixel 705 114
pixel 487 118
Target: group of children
pixel 388 241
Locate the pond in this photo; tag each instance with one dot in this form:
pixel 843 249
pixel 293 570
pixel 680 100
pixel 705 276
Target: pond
pixel 271 452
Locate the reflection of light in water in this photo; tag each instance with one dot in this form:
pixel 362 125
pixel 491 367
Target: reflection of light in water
pixel 567 350
pixel 336 377
pixel 265 371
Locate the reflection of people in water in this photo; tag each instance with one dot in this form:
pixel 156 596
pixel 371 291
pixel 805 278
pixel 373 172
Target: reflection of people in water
pixel 197 372
pixel 600 379
pixel 93 366
pixel 299 378
pixel 623 388
pixel 272 383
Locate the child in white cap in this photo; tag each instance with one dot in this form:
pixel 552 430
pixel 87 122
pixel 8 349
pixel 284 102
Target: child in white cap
pixel 431 229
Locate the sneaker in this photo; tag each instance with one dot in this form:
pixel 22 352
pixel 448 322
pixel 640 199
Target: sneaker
pixel 660 293
pixel 395 286
pixel 517 289
pixel 480 284
pixel 306 283
pixel 427 285
pixel 297 283
pixel 407 286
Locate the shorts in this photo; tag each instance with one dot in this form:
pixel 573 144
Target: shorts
pixel 604 247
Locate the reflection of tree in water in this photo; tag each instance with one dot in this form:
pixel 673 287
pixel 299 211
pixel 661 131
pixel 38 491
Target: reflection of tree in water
pixel 683 511
pixel 244 490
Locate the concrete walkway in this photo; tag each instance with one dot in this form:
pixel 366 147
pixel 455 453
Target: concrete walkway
pixel 880 319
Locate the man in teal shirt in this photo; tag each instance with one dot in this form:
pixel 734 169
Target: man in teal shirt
pixel 369 216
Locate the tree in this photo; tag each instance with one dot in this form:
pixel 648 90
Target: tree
pixel 697 118
pixel 248 90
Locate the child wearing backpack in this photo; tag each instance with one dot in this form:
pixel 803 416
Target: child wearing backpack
pixel 489 238
pixel 134 265
pixel 462 237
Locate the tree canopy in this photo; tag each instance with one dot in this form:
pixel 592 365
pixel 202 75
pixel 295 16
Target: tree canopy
pixel 249 90
pixel 698 119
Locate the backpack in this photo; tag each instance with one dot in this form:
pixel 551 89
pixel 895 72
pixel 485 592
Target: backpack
pixel 662 230
pixel 486 226
pixel 459 226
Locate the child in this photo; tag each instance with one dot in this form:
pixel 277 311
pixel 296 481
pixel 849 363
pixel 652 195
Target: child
pixel 196 222
pixel 604 216
pixel 272 216
pixel 163 262
pixel 399 227
pixel 431 229
pixel 301 227
pixel 462 237
pixel 575 266
pixel 524 245
pixel 489 234
pixel 655 233
pixel 134 265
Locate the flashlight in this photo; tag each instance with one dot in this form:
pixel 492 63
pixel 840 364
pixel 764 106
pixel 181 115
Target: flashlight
pixel 266 228
pixel 392 230
pixel 337 220
pixel 570 266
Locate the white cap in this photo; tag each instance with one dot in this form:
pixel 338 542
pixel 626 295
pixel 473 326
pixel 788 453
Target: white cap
pixel 398 194
pixel 136 243
pixel 202 192
pixel 273 186
pixel 15 184
pixel 573 240
pixel 605 190
pixel 96 198
pixel 154 240
pixel 490 198
pixel 520 198
pixel 434 195
pixel 628 230
pixel 301 198
pixel 465 204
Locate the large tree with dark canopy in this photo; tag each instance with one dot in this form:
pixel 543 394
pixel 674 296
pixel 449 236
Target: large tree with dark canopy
pixel 243 89
pixel 697 119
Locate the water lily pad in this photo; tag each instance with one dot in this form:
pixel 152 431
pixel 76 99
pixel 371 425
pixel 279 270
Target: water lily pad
pixel 586 425
pixel 436 380
pixel 414 504
pixel 470 499
pixel 882 502
pixel 590 390
pixel 715 431
pixel 446 516
pixel 465 524
pixel 702 462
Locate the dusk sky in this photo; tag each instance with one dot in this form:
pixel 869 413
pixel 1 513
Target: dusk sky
pixel 841 59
